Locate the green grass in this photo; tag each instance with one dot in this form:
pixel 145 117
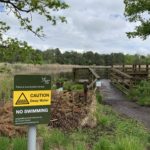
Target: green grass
pixel 102 144
pixel 128 143
pixel 19 143
pixel 113 132
pixel 98 97
pixel 4 143
pixel 141 93
pixel 71 86
pixel 144 101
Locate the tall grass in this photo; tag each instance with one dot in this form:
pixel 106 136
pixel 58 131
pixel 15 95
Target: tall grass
pixel 4 143
pixel 19 143
pixel 6 87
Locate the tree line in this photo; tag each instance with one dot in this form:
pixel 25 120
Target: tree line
pixel 14 51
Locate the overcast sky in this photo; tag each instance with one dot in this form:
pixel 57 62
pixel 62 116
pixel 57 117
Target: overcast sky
pixel 97 25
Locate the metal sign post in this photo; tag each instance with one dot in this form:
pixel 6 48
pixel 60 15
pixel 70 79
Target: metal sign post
pixel 32 137
pixel 31 103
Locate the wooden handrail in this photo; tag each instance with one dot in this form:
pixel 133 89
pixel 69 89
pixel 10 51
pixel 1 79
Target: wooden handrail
pixel 121 73
pixel 94 73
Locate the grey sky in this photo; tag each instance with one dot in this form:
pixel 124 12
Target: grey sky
pixel 97 25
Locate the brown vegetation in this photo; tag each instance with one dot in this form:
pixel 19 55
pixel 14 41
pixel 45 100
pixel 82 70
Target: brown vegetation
pixel 6 122
pixel 68 109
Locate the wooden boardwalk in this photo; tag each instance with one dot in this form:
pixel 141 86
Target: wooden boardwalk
pixel 123 77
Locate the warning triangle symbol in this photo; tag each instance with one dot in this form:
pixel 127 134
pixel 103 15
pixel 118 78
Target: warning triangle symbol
pixel 22 100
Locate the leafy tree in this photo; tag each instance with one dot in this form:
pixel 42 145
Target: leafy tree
pixel 89 58
pixel 117 58
pixel 129 59
pixel 17 51
pixel 3 29
pixel 24 9
pixel 138 11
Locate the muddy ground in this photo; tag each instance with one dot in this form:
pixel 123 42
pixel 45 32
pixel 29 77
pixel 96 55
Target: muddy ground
pixel 120 103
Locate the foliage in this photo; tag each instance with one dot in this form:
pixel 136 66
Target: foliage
pixel 141 93
pixel 6 87
pixel 3 29
pixel 4 143
pixel 13 144
pixel 128 143
pixel 138 11
pixel 14 51
pixel 71 86
pixel 102 144
pixel 117 133
pixel 19 143
pixel 17 51
pixel 76 87
pixel 98 97
pixel 24 10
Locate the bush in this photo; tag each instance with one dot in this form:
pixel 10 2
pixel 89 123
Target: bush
pixel 141 93
pixel 145 101
pixel 70 86
pixel 67 85
pixel 77 87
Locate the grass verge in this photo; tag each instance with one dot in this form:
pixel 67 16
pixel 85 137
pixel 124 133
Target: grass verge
pixel 113 132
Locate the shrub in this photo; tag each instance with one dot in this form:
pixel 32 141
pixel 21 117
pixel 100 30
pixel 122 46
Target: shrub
pixel 141 93
pixel 77 87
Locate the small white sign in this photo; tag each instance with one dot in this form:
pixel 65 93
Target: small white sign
pixel 98 83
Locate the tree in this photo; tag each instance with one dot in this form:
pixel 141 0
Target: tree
pixel 17 51
pixel 138 11
pixel 24 9
pixel 3 29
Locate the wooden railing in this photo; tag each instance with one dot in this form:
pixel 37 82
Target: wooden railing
pixel 91 76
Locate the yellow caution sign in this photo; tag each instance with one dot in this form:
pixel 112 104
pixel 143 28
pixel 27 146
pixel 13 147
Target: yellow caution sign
pixel 31 98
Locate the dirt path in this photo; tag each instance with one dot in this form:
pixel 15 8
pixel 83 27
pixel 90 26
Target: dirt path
pixel 121 104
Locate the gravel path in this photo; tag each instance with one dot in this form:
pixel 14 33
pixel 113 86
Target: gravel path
pixel 121 104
